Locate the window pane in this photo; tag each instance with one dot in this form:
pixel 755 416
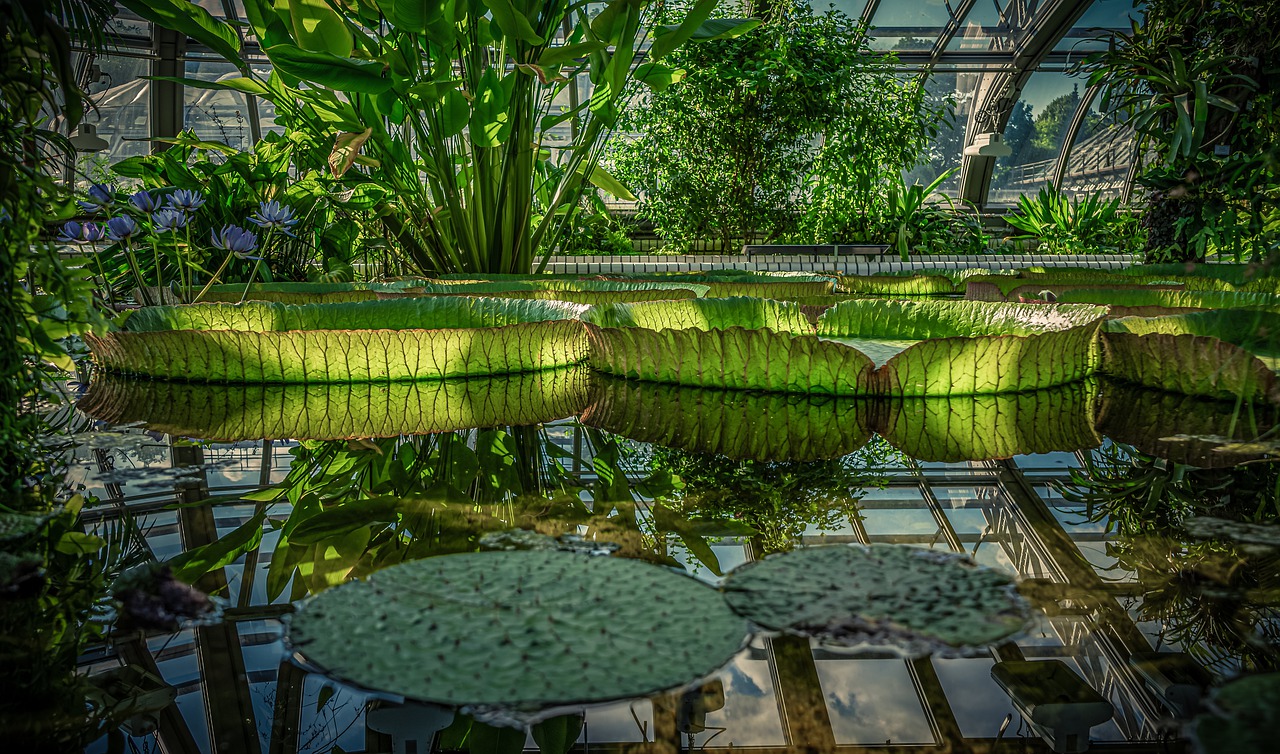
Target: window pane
pixel 909 26
pixel 215 115
pixel 990 28
pixel 1035 133
pixel 123 99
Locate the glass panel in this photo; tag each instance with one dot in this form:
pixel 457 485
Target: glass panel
pixel 944 152
pixel 1035 133
pixel 1102 16
pixel 909 26
pixel 122 98
pixel 221 116
pixel 1100 156
pixel 872 701
pixel 991 28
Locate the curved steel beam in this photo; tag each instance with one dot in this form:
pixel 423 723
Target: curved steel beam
pixel 998 93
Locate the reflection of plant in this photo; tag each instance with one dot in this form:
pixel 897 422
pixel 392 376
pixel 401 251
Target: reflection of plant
pixel 1137 493
pixel 778 499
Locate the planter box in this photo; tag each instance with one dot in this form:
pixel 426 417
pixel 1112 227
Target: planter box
pixel 819 250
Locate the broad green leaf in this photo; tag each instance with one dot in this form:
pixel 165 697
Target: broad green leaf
pixel 668 38
pixel 513 22
pixel 603 179
pixel 267 24
pixel 79 543
pixel 490 124
pixel 319 28
pixel 455 113
pixel 344 518
pixel 191 19
pixel 325 69
pixel 554 56
pixel 196 562
pixel 657 76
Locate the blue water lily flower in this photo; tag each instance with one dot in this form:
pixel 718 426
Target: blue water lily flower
pixel 5 217
pixel 70 232
pixel 236 240
pixel 121 228
pixel 186 200
pixel 77 233
pixel 145 201
pixel 168 220
pixel 101 196
pixel 274 215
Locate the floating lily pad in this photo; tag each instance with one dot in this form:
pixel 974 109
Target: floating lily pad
pixel 1218 354
pixel 407 339
pixel 524 628
pixel 591 292
pixel 298 293
pixel 878 594
pixel 1244 717
pixel 1170 300
pixel 897 285
pixel 972 347
pixel 229 413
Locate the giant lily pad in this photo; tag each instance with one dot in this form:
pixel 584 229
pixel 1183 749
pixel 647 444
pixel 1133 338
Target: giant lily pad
pixel 963 347
pixel 408 339
pixel 739 343
pixel 1234 274
pixel 1215 354
pixel 522 628
pixel 730 283
pixel 589 292
pixel 896 285
pixel 879 594
pixel 1145 301
pixel 969 347
pixel 228 413
pixel 298 293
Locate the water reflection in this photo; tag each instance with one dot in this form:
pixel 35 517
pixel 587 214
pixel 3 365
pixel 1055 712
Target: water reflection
pixel 702 481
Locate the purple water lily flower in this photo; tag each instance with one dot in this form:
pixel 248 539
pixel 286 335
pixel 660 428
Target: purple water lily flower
pixel 236 240
pixel 121 228
pixel 274 215
pixel 168 220
pixel 5 217
pixel 186 200
pixel 77 233
pixel 101 196
pixel 145 201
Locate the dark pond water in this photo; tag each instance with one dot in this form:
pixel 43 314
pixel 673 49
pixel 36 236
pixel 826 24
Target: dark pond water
pixel 1082 493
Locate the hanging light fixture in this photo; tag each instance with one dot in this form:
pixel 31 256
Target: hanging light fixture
pixel 86 139
pixel 988 145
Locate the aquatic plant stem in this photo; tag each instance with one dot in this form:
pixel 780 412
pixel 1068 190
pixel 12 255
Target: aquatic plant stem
pixel 249 284
pixel 221 269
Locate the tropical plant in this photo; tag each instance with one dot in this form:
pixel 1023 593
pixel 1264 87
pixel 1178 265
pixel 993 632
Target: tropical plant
pixel 1067 226
pixel 1192 80
pixel 452 109
pixel 909 221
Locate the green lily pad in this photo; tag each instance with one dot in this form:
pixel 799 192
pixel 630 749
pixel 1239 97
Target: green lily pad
pixel 527 629
pixel 590 292
pixel 897 285
pixel 229 413
pixel 1218 354
pixel 406 339
pixel 972 347
pixel 1148 299
pixel 1243 719
pixel 1209 527
pixel 879 594
pixel 298 293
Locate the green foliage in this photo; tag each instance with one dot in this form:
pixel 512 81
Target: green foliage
pixel 728 151
pixel 1194 82
pixel 336 230
pixel 450 111
pixel 1066 226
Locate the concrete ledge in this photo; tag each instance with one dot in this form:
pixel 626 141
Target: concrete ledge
pixel 591 265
